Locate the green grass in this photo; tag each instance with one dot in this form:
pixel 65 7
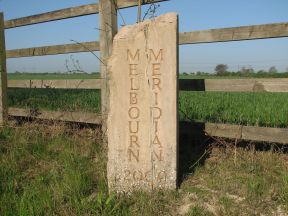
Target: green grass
pixel 55 99
pixel 259 109
pixel 241 179
pixel 46 172
pixel 58 170
pixel 54 170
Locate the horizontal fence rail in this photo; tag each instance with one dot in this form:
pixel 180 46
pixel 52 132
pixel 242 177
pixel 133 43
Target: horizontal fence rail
pixel 235 85
pixel 253 32
pixel 53 15
pixel 195 37
pixel 265 134
pixel 68 13
pixel 58 84
pixel 216 85
pixel 54 50
pixel 79 117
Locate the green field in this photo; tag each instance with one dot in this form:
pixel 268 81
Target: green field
pixel 259 109
pixel 55 99
pixel 96 75
pixel 256 109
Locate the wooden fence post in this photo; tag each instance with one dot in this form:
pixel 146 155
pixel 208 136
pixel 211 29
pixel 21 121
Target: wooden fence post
pixel 108 29
pixel 3 74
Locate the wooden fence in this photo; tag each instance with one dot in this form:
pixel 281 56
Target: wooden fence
pixel 108 23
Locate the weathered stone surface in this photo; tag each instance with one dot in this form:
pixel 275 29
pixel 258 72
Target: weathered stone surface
pixel 143 120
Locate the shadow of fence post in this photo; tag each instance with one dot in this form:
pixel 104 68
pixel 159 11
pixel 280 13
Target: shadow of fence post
pixel 193 144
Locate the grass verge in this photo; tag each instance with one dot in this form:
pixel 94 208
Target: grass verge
pixel 61 170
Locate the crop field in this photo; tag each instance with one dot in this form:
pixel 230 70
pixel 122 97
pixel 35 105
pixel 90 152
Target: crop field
pixel 55 99
pixel 255 109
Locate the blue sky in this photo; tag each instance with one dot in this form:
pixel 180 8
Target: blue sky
pixel 193 15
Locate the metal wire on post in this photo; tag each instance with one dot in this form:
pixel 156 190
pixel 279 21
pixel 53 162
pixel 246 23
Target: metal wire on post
pixel 151 11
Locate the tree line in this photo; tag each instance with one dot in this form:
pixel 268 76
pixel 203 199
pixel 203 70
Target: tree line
pixel 223 70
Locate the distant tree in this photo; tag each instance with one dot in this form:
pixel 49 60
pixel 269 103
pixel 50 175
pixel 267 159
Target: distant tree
pixel 273 69
pixel 246 71
pixel 221 69
pixel 250 69
pixel 185 73
pixel 287 69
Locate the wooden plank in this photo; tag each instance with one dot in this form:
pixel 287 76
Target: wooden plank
pixel 53 15
pixel 3 74
pixel 225 85
pixel 54 50
pixel 132 3
pixel 275 30
pixel 81 117
pixel 274 135
pixel 108 23
pixel 235 85
pixel 57 84
pixel 68 13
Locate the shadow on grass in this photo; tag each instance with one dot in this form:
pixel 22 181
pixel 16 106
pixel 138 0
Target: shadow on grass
pixel 263 146
pixel 19 120
pixel 193 148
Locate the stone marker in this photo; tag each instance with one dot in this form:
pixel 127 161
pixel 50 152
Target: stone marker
pixel 143 120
